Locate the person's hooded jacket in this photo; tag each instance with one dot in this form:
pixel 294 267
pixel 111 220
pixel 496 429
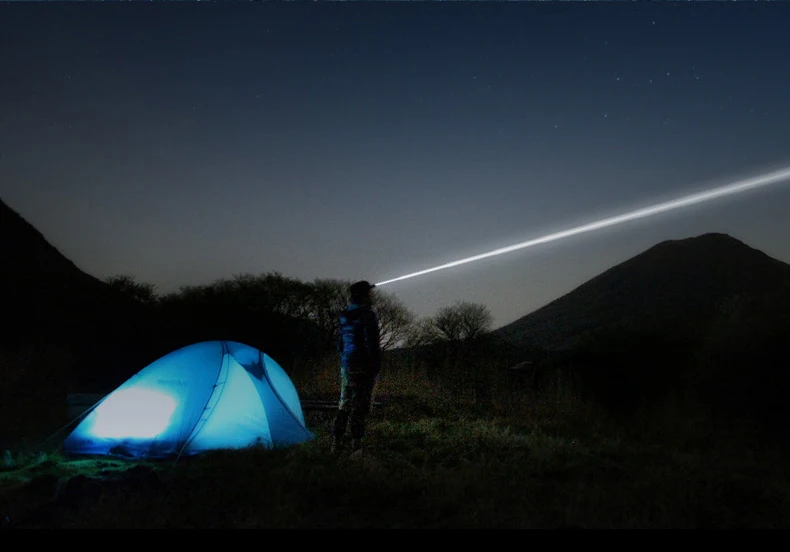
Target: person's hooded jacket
pixel 359 338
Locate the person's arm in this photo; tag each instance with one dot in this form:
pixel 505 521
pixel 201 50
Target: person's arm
pixel 339 330
pixel 372 337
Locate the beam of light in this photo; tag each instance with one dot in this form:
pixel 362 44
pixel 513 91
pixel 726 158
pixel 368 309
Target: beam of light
pixel 685 201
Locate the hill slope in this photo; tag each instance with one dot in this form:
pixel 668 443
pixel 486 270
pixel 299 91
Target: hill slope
pixel 683 286
pixel 49 301
pixel 47 296
pixel 51 304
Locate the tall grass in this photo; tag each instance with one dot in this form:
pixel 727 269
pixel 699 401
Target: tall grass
pixel 438 457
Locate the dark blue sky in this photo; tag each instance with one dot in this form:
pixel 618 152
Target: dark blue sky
pixel 186 142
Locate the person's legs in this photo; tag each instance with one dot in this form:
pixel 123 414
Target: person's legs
pixel 338 430
pixel 342 414
pixel 360 407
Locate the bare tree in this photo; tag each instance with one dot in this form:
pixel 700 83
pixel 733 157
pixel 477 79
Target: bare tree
pixel 421 332
pixel 447 325
pixel 462 322
pixel 327 299
pixel 395 320
pixel 476 320
pixel 272 292
pixel 457 330
pixel 144 293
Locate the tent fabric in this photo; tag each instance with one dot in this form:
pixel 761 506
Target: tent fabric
pixel 206 396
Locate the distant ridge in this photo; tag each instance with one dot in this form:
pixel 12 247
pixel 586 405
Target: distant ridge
pixel 677 284
pixel 48 300
pixel 42 288
pixel 31 261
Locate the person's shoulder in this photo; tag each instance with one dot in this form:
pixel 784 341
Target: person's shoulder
pixel 344 315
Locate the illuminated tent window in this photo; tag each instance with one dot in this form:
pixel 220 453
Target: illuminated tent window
pixel 135 414
pixel 207 396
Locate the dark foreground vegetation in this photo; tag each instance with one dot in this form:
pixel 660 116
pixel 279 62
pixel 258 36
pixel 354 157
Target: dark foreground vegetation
pixel 440 454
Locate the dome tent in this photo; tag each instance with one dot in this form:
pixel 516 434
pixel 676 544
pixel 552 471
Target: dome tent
pixel 206 396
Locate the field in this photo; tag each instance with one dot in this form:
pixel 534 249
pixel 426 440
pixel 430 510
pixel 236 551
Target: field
pixel 434 459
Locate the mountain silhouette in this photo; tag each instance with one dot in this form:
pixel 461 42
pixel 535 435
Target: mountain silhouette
pixel 44 292
pixel 48 299
pixel 52 302
pixel 682 287
pixel 704 317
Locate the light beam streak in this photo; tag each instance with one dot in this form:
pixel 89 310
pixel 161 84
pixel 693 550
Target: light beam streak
pixel 685 201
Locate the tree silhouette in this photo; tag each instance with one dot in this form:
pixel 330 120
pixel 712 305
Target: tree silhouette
pixel 126 284
pixel 462 322
pixel 395 320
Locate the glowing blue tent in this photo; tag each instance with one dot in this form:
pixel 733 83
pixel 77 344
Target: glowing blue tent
pixel 211 395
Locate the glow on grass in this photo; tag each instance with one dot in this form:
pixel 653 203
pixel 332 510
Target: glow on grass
pixel 685 201
pixel 133 414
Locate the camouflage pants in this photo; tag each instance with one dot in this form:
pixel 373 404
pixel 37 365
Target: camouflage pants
pixel 356 390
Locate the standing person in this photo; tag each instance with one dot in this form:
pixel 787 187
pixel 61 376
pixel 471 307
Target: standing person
pixel 360 362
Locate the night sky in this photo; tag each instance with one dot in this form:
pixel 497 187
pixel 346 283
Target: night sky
pixel 186 142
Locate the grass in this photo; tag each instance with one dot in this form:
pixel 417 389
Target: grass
pixel 434 459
